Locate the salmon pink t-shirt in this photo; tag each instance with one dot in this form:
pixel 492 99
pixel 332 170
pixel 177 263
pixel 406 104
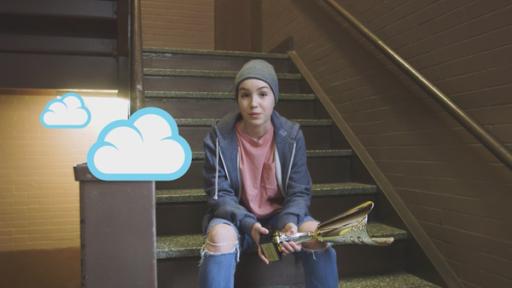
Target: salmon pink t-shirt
pixel 260 192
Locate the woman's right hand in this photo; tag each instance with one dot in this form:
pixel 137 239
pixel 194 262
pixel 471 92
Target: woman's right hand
pixel 256 231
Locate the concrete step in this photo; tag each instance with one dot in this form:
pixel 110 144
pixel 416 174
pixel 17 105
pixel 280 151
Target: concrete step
pixel 215 105
pixel 328 200
pixel 177 246
pixel 209 73
pixel 92 9
pixel 211 59
pixel 220 95
pixel 210 121
pixel 392 280
pixel 318 133
pixel 202 52
pixel 310 153
pixel 178 258
pixel 325 166
pixel 157 79
pixel 318 190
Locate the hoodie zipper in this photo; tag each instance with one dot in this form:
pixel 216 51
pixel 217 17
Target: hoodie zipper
pixel 238 173
pixel 290 166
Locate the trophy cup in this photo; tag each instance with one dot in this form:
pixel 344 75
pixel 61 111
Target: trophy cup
pixel 346 228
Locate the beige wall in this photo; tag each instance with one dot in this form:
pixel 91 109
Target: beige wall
pixel 457 190
pixel 178 23
pixel 39 206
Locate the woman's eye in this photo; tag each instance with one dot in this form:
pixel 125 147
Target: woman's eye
pixel 263 94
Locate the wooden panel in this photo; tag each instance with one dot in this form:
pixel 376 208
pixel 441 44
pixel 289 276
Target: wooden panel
pixel 178 24
pixel 455 187
pixel 236 25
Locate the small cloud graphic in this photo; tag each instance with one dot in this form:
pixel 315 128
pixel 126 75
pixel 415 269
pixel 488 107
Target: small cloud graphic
pixel 68 111
pixel 146 147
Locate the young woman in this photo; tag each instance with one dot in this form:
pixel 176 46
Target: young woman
pixel 257 179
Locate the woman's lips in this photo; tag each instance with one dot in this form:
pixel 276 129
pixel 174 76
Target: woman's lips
pixel 254 114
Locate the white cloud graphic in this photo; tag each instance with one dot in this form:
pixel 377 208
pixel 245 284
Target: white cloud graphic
pixel 145 147
pixel 68 111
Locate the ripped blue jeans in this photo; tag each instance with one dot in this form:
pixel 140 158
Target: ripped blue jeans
pixel 218 269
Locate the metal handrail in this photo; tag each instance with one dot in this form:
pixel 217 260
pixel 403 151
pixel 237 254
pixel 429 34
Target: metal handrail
pixel 135 34
pixel 467 122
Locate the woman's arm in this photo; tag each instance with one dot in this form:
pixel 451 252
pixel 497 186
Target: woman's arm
pixel 226 204
pixel 298 193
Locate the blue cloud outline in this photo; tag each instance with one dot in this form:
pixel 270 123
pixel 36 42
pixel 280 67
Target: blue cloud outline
pixel 144 176
pixel 61 99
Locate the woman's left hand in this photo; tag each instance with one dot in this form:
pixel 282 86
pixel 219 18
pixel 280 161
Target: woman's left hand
pixel 290 247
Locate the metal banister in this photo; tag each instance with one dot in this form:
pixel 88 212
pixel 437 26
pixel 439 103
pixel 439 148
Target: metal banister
pixel 136 72
pixel 502 153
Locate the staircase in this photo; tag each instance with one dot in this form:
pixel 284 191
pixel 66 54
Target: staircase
pixel 82 42
pixel 195 87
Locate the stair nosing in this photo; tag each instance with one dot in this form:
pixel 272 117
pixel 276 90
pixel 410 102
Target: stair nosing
pixel 157 50
pixel 383 280
pixel 208 73
pixel 179 252
pixel 164 196
pixel 198 122
pixel 221 95
pixel 199 155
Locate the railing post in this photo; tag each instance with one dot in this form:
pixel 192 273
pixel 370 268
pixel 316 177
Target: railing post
pixel 122 51
pixel 117 232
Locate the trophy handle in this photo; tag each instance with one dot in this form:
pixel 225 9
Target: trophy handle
pixel 348 219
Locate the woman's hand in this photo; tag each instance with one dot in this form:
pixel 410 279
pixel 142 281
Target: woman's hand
pixel 290 247
pixel 256 231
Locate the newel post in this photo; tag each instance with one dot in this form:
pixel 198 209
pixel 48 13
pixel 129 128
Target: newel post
pixel 117 232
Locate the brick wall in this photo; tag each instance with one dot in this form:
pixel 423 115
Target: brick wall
pixel 178 23
pixel 39 206
pixel 457 190
pixel 237 25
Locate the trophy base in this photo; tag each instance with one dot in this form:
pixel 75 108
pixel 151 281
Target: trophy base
pixel 269 248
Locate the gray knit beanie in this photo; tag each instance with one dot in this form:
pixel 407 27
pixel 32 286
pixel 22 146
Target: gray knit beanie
pixel 261 70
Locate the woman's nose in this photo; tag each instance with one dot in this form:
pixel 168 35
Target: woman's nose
pixel 254 101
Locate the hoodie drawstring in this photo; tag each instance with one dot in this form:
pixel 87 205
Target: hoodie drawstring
pixel 215 196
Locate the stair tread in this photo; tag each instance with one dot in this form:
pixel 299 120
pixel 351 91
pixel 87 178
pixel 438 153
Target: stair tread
pixel 211 121
pixel 394 280
pixel 221 95
pixel 176 246
pixel 208 73
pixel 318 190
pixel 310 153
pixel 159 50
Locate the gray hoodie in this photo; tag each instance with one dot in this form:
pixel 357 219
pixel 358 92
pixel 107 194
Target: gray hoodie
pixel 222 174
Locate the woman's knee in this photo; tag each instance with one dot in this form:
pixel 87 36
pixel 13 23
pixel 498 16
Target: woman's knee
pixel 310 226
pixel 222 238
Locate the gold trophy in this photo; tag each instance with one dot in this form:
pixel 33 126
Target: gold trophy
pixel 346 228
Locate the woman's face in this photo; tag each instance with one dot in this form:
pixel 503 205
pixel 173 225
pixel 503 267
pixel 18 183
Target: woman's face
pixel 256 102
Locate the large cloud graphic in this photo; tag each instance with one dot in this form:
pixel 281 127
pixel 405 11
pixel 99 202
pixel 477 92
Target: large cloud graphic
pixel 68 111
pixel 145 147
